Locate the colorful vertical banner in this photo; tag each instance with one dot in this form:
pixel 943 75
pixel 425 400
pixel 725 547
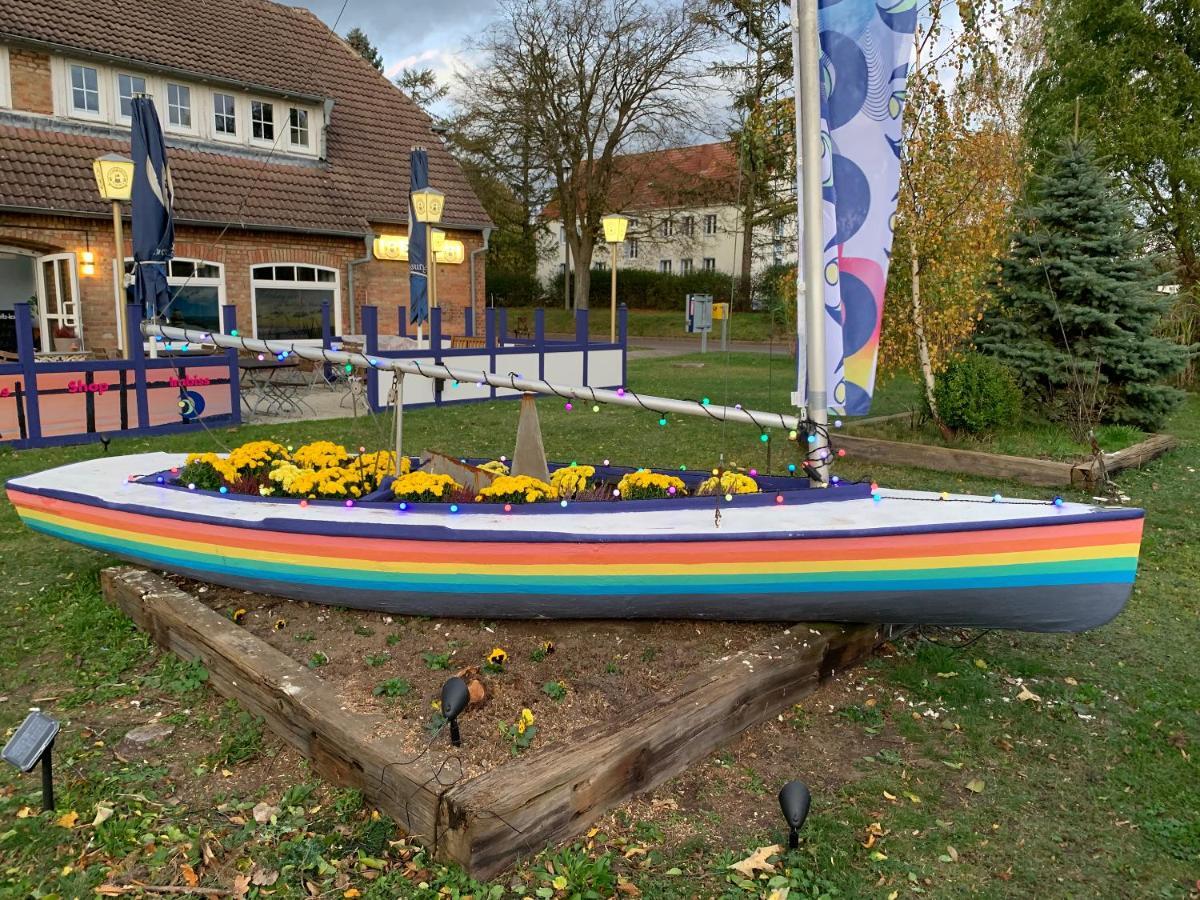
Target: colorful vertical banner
pixel 865 49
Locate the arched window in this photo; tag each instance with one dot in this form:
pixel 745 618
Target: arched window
pixel 286 300
pixel 197 292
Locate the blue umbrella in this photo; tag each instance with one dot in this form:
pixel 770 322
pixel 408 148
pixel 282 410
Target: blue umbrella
pixel 418 261
pixel 153 217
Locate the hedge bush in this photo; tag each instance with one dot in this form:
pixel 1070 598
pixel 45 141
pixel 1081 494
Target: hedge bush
pixel 976 394
pixel 645 289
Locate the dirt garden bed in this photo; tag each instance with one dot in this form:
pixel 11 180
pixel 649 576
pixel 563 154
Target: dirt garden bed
pixel 568 674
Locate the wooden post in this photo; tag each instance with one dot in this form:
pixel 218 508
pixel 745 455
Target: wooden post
pixel 370 324
pixel 612 329
pixel 228 326
pixel 119 243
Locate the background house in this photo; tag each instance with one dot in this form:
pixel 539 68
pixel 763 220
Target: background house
pixel 289 153
pixel 683 205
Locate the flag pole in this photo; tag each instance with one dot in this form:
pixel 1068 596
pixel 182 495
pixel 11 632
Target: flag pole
pixel 806 50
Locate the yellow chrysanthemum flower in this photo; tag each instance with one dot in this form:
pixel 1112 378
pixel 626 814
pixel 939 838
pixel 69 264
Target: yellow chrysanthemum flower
pixel 728 483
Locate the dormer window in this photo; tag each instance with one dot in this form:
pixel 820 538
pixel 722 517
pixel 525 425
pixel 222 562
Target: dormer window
pixel 128 87
pixel 225 114
pixel 298 127
pixel 262 120
pixel 179 105
pixel 85 90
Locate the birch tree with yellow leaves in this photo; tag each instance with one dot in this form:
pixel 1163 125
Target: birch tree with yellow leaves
pixel 963 168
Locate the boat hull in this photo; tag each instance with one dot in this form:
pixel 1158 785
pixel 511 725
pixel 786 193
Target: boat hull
pixel 1067 572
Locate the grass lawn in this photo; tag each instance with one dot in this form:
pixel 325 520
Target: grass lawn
pixel 744 326
pixel 930 774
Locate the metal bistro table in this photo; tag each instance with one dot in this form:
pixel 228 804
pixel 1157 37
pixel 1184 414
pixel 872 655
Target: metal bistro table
pixel 275 392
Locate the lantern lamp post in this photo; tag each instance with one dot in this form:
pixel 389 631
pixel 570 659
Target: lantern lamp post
pixel 114 180
pixel 428 204
pixel 614 234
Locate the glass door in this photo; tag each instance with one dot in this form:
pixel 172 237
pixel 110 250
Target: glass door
pixel 59 321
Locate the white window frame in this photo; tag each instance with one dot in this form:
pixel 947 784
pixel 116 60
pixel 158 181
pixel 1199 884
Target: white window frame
pixel 116 86
pixel 631 248
pixel 262 142
pixel 307 127
pixel 237 136
pixel 5 80
pixel 710 219
pixel 664 267
pixel 257 282
pixel 101 113
pixel 710 264
pixel 165 111
pixel 686 265
pixel 689 226
pixel 177 281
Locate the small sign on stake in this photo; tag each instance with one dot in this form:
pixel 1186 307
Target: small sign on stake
pixel 33 741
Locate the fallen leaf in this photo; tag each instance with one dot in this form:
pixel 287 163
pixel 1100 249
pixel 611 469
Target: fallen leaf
pixel 635 851
pixel 1026 695
pixel 878 857
pixel 952 853
pixel 351 892
pixel 952 765
pixel 947 674
pixel 893 895
pixel 757 860
pixel 1071 681
pixel 975 785
pixel 887 796
pixel 240 886
pixel 980 664
pixel 780 893
pixel 67 819
pixel 560 883
pixel 673 872
pixel 263 877
pixel 103 814
pixel 629 889
pixel 912 797
pixel 189 875
pixel 25 812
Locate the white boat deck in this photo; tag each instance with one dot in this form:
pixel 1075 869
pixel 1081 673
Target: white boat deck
pixel 106 479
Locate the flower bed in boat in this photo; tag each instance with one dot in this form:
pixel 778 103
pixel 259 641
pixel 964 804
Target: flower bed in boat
pixel 563 674
pixel 327 471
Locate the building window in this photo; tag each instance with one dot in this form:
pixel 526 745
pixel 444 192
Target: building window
pixel 128 87
pixel 197 290
pixel 225 114
pixel 710 264
pixel 667 228
pixel 710 224
pixel 298 127
pixel 631 248
pixel 179 105
pixel 778 228
pixel 685 267
pixel 85 90
pixel 286 301
pixel 262 120
pixel 689 225
pixel 664 266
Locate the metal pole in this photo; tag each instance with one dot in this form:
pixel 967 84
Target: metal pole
pixel 799 396
pixel 806 46
pixel 612 330
pixel 119 241
pixel 704 341
pixel 433 301
pixel 399 413
pixel 620 397
pixel 47 779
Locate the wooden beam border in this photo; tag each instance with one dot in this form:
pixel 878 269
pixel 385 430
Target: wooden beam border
pixel 1025 469
pixel 515 810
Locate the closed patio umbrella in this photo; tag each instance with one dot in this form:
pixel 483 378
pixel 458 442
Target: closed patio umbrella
pixel 418 261
pixel 153 216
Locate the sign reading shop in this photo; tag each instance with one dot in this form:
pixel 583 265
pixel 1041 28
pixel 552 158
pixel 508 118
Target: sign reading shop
pixel 100 387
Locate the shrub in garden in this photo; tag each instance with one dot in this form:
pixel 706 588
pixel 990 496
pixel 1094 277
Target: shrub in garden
pixel 976 394
pixel 646 485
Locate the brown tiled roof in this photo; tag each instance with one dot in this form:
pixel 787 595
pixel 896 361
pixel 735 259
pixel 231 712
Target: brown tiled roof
pixel 258 43
pixel 667 179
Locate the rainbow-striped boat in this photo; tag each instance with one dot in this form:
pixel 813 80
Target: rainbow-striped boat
pixel 791 552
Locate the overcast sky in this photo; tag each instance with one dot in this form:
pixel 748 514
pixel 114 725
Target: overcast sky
pixel 414 33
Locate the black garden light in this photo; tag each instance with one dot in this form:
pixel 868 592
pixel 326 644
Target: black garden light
pixel 794 800
pixel 33 741
pixel 455 698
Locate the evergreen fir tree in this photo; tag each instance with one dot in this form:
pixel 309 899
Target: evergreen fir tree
pixel 357 38
pixel 1077 305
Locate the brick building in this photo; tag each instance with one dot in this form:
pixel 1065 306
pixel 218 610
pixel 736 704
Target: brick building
pixel 289 155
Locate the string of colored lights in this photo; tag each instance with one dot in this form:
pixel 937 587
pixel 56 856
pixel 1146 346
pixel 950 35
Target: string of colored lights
pixel 620 397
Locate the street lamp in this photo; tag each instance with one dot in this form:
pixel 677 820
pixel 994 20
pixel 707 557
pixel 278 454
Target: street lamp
pixel 114 180
pixel 614 234
pixel 428 204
